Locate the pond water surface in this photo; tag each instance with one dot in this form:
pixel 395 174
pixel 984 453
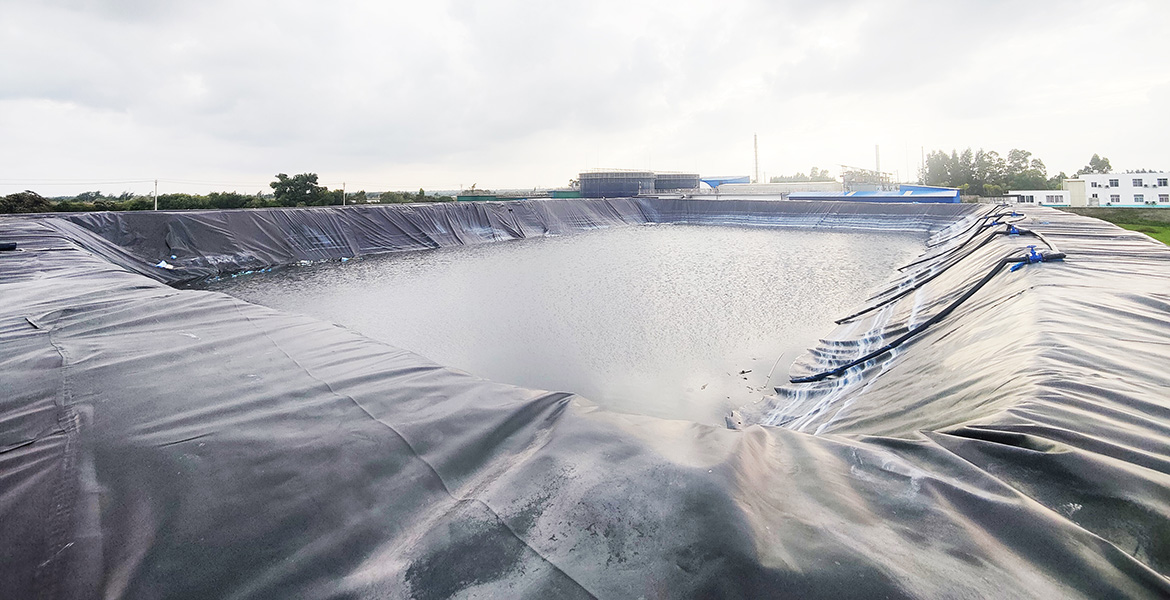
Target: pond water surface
pixel 675 321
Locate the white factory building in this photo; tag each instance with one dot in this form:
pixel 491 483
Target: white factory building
pixel 1044 197
pixel 1119 189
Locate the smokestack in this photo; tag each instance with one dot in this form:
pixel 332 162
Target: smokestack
pixel 877 152
pixel 756 147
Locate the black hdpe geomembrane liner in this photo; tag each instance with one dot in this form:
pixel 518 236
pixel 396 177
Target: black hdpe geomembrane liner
pixel 157 442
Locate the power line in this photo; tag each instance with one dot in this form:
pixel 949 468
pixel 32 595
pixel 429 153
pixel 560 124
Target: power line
pixel 194 182
pixel 73 181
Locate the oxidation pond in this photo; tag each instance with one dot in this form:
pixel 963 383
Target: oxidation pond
pixel 673 321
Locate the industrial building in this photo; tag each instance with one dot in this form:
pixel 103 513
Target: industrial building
pixel 1042 197
pixel 621 183
pixel 1119 189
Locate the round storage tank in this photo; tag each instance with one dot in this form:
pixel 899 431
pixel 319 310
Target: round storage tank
pixel 616 184
pixel 676 181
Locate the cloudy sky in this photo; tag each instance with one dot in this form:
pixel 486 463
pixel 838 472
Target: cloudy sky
pixel 221 95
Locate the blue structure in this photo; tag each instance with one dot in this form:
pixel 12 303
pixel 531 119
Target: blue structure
pixel 905 193
pixel 718 181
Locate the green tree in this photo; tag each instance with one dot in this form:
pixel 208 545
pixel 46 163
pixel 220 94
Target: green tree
pixel 1096 164
pixel 137 203
pixel 986 173
pixel 939 167
pixel 1025 172
pixel 301 189
pixel 1018 161
pixel 181 202
pixel 228 200
pixel 27 201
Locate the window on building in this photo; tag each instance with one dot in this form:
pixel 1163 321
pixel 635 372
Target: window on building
pixel 1113 183
pixel 1115 197
pixel 1029 198
pixel 1094 194
pixel 1137 183
pixel 1162 182
pixel 1139 198
pixel 1093 184
pixel 1052 199
pixel 1163 198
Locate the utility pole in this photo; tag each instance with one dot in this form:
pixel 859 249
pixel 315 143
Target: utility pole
pixel 156 194
pixel 756 146
pixel 343 193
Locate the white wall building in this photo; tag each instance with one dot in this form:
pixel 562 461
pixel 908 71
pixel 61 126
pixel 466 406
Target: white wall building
pixel 1124 189
pixel 1044 197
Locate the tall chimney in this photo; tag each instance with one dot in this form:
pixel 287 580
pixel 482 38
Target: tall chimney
pixel 756 146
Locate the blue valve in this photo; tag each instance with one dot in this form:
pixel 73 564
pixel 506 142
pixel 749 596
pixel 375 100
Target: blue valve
pixel 1033 257
pixel 1013 230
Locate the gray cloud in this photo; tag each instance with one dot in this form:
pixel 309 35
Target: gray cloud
pixel 225 88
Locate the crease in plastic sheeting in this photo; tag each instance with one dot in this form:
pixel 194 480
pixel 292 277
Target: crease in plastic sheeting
pixel 502 523
pixel 557 399
pixel 336 394
pixel 957 434
pixel 47 573
pixel 458 500
pixel 1028 437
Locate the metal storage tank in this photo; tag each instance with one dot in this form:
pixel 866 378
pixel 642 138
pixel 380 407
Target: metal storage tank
pixel 615 184
pixel 664 182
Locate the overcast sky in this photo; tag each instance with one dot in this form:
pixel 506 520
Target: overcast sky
pixel 522 93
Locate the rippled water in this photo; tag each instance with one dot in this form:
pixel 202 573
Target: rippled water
pixel 656 320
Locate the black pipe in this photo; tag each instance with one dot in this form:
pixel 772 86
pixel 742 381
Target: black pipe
pixel 931 321
pixel 978 230
pixel 979 220
pixel 1009 231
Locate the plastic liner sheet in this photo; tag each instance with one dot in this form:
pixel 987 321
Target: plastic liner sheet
pixel 157 442
pixel 182 246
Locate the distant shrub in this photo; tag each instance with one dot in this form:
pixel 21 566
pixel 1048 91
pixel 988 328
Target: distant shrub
pixel 27 201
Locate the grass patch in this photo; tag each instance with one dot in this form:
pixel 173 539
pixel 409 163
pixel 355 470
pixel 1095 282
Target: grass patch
pixel 1154 222
pixel 1158 231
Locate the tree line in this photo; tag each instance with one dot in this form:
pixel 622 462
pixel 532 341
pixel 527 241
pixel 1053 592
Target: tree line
pixel 298 190
pixel 987 173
